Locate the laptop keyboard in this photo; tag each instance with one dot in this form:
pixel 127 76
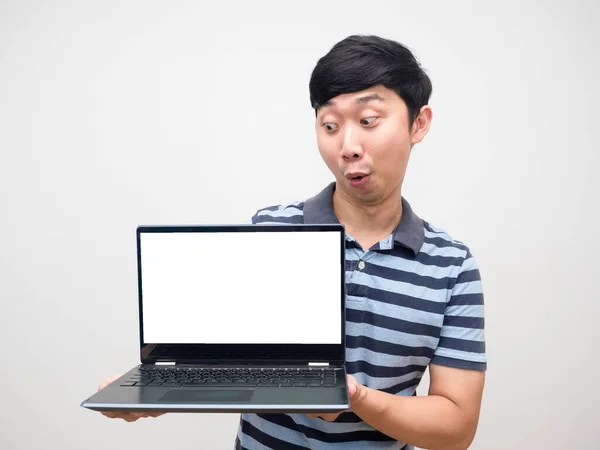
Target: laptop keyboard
pixel 231 377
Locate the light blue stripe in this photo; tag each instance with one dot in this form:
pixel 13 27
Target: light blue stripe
pixel 406 265
pixel 354 300
pixel 439 234
pixel 366 445
pixel 469 264
pixel 400 312
pixel 466 310
pixel 250 443
pixel 383 360
pixel 452 252
pixel 239 432
pixel 435 230
pixel 391 336
pixel 287 212
pixel 470 334
pixel 470 287
pixel 401 287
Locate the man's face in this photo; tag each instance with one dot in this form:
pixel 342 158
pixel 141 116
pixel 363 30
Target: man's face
pixel 365 140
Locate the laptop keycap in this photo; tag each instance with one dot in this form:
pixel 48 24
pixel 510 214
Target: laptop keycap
pixel 231 377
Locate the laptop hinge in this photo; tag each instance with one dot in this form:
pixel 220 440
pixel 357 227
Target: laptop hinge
pixel 318 364
pixel 164 363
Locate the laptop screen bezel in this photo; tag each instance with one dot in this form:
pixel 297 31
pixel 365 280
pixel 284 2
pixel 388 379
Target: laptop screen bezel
pixel 153 352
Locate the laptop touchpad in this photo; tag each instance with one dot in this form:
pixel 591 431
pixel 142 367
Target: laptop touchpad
pixel 206 396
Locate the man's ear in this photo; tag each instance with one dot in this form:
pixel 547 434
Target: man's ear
pixel 420 126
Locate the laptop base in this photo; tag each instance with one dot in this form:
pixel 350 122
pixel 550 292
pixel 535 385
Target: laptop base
pixel 292 399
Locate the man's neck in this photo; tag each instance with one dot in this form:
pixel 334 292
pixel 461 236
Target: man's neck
pixel 379 219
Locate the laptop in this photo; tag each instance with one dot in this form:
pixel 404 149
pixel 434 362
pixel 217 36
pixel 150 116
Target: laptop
pixel 237 318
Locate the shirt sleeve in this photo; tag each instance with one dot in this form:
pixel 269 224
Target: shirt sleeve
pixel 462 338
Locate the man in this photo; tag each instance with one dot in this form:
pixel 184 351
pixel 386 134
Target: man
pixel 414 297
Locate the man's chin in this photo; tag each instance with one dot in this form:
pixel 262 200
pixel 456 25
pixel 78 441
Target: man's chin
pixel 366 195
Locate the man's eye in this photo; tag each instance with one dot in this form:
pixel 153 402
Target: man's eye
pixel 368 121
pixel 330 126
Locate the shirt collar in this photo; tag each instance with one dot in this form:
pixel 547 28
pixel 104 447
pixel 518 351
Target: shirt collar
pixel 409 233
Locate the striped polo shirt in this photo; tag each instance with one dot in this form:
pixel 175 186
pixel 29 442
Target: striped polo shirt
pixel 412 299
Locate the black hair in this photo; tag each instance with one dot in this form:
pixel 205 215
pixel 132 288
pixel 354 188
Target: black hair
pixel 360 62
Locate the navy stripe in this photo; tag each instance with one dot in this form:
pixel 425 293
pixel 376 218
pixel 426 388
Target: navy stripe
pixel 362 435
pixel 428 227
pixel 469 275
pixel 444 237
pixel 397 388
pixel 377 371
pixel 394 298
pixel 289 220
pixel 464 322
pixel 466 299
pixel 386 347
pixel 279 208
pixel 463 345
pixel 464 277
pixel 405 326
pixel 436 261
pixel 401 250
pixel 266 439
pixel 271 208
pixel 348 417
pixel 458 363
pixel 283 420
pixel 440 242
pixel 352 245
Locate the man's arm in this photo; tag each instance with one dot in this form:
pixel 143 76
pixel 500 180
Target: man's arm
pixel 446 419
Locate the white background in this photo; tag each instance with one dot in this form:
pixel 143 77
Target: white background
pixel 241 288
pixel 119 113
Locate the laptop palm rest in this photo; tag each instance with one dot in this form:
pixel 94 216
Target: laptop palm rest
pixel 206 396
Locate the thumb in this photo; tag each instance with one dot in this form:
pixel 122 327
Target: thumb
pixel 354 387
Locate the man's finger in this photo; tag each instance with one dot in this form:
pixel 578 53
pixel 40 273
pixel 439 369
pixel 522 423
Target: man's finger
pixel 109 380
pixel 329 417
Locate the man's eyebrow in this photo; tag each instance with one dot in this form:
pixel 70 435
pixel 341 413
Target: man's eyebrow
pixel 358 101
pixel 368 98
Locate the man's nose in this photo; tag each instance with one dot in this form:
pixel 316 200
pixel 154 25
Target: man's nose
pixel 351 146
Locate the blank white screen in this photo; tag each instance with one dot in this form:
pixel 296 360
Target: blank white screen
pixel 242 287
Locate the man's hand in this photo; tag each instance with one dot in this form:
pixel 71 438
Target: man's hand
pixel 355 392
pixel 127 416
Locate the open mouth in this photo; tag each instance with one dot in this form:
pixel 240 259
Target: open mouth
pixel 358 180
